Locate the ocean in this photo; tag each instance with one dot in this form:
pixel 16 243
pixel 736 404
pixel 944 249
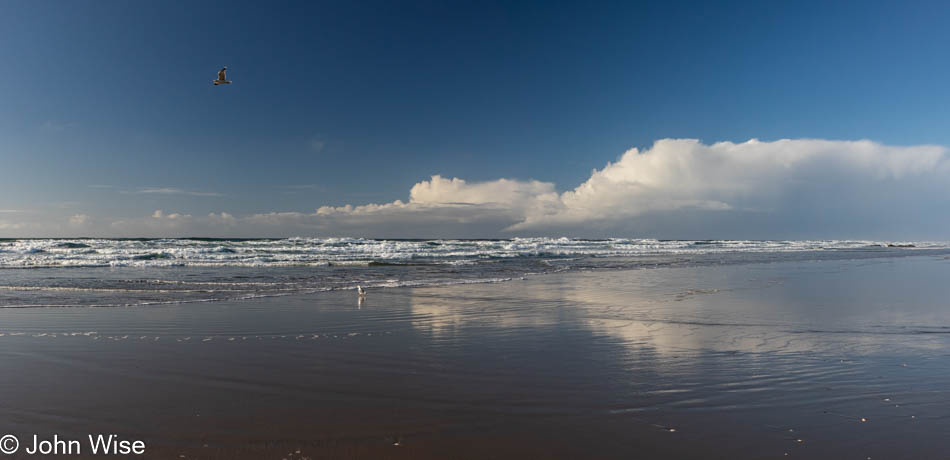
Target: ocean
pixel 520 348
pixel 147 271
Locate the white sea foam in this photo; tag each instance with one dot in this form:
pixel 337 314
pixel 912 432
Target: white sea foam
pixel 119 273
pixel 39 253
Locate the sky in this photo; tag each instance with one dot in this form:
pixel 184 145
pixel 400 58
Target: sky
pixel 760 120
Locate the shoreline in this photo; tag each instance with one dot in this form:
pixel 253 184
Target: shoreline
pixel 687 362
pixel 622 264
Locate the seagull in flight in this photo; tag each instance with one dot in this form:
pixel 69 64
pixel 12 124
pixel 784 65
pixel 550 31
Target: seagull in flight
pixel 222 80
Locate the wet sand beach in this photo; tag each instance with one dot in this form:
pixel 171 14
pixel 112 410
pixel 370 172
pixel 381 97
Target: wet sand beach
pixel 800 359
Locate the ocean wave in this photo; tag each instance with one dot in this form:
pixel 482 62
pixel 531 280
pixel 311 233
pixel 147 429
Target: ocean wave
pixel 45 253
pixel 143 272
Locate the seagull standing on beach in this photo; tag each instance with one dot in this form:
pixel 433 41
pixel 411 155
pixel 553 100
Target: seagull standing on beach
pixel 222 80
pixel 360 291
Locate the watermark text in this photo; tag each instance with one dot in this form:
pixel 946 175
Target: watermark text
pixel 95 444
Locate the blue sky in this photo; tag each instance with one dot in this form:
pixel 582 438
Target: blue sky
pixel 108 111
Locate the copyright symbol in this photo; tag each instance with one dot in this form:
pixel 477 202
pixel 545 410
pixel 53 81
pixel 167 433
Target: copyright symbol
pixel 9 444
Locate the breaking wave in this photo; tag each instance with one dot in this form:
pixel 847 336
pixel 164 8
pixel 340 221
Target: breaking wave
pixel 38 253
pixel 140 272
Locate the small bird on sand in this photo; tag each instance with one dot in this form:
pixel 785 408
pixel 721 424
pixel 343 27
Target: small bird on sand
pixel 222 79
pixel 360 291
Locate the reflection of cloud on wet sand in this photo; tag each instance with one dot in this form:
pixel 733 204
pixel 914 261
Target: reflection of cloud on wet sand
pixel 467 306
pixel 720 310
pixel 630 308
pixel 672 312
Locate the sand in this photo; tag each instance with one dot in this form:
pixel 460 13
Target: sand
pixel 831 359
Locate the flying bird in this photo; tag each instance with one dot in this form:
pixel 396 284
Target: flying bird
pixel 222 79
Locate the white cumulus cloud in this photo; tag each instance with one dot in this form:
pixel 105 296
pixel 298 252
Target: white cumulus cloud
pixel 676 188
pixel 680 188
pixel 751 177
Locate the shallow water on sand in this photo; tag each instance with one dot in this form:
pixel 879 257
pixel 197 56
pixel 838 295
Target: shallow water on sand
pixel 808 359
pixel 142 272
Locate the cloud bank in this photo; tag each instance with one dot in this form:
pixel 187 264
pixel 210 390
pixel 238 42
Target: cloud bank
pixel 682 188
pixel 678 188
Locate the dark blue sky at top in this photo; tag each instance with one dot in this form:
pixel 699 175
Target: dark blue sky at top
pixel 354 102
